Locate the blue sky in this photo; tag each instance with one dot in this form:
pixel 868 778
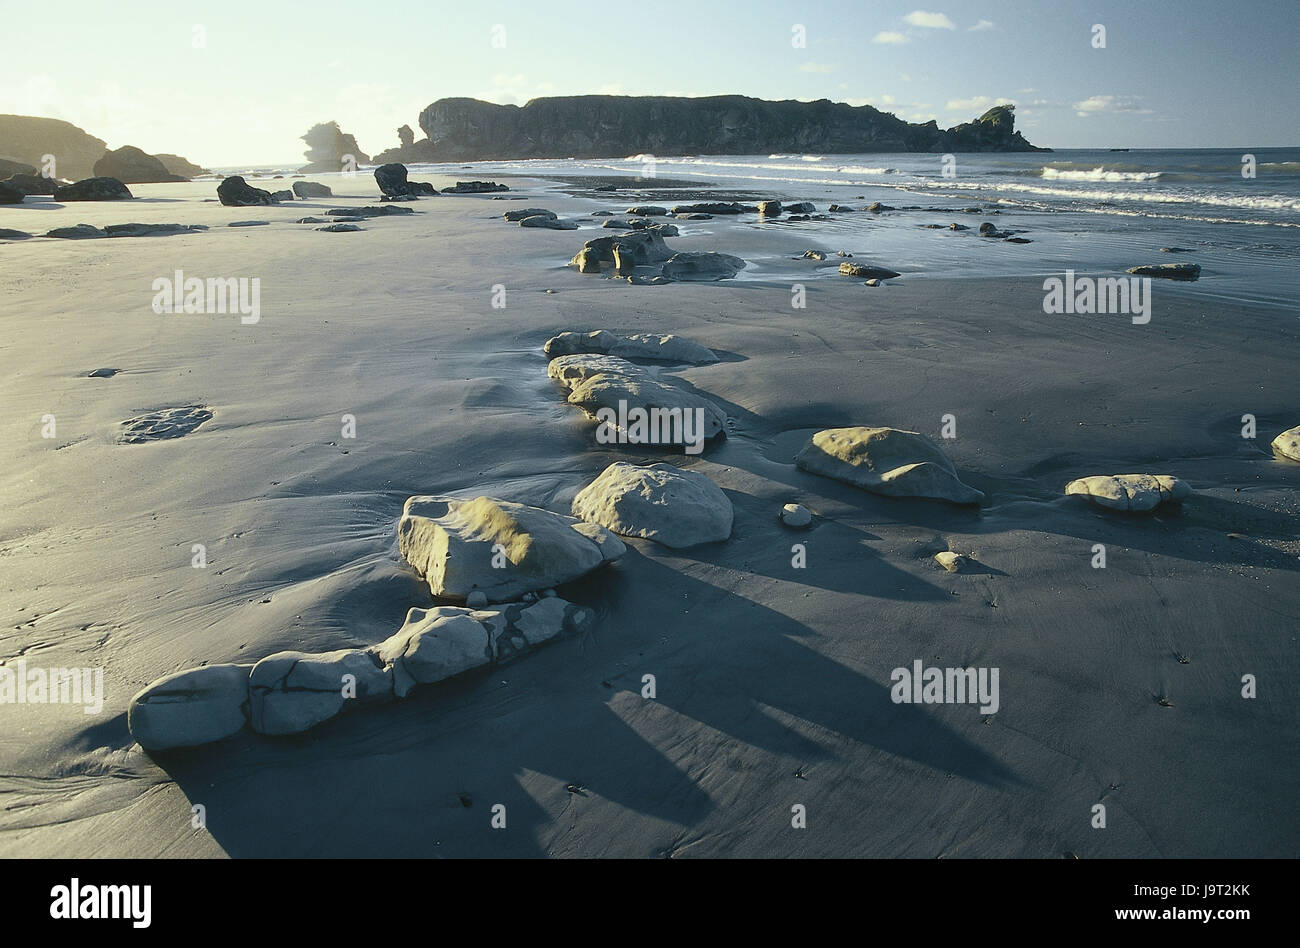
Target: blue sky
pixel 1172 74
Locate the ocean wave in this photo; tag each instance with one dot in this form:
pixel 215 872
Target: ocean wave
pixel 1271 202
pixel 1096 174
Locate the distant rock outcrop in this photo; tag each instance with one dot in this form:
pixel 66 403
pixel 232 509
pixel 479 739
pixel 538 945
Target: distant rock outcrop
pixel 181 166
pixel 131 165
pixel 29 138
pixel 331 149
pixel 598 126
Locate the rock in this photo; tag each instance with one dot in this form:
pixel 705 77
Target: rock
pixel 522 213
pixel 151 230
pixel 950 561
pixel 770 208
pixel 640 279
pixel 987 229
pixel 602 213
pixel 840 209
pixel 33 184
pixel 796 515
pixel 93 189
pixel 330 149
pixel 79 232
pixel 1168 271
pixel 177 165
pixel 1130 492
pixel 694 217
pixel 549 223
pixel 710 207
pixel 702 267
pixel 599 383
pixel 615 223
pixel 798 217
pixel 236 192
pixel 133 166
pixel 872 282
pixel 660 502
pixel 640 248
pixel 301 220
pixel 802 207
pixel 265 223
pixel 453 543
pixel 278 196
pixel 664 230
pixel 953 226
pixel 815 254
pixel 391 179
pixel 475 187
pixel 191 707
pixel 865 272
pixel 843 253
pixel 10 167
pixel 886 461
pixel 1018 240
pixel 105 373
pixel 370 210
pixel 8 234
pixel 1162 249
pixel 1287 444
pixel 647 210
pixel 339 228
pixel 10 194
pixel 877 207
pixel 163 424
pixel 290 692
pixel 642 345
pixel 477 599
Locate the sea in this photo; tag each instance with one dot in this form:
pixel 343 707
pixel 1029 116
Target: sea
pixel 1236 212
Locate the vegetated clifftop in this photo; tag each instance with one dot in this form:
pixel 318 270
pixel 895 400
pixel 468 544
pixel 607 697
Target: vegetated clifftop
pixel 605 126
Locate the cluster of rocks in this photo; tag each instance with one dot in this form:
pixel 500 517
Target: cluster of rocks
pixel 642 257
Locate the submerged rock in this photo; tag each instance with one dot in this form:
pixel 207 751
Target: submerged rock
pixel 659 502
pixel 501 548
pixel 1130 492
pixel 663 347
pixel 1168 271
pixel 865 272
pixel 886 461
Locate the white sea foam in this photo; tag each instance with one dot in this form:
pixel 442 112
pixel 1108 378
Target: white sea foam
pixel 1097 174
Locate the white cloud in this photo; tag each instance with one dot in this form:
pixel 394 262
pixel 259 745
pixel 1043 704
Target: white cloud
pixel 977 103
pixel 930 21
pixel 982 25
pixel 891 38
pixel 816 67
pixel 1097 104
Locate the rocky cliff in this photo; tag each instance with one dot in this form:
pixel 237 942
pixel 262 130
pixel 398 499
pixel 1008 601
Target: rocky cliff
pixel 603 126
pixel 29 138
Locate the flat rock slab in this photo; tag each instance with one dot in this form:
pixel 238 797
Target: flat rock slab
pixel 658 502
pixel 151 230
pixel 661 347
pixel 702 267
pixel 886 461
pixel 164 424
pixel 867 273
pixel 524 212
pixel 548 223
pixel 496 547
pixel 1135 493
pixel 616 393
pixel 370 210
pixel 1287 444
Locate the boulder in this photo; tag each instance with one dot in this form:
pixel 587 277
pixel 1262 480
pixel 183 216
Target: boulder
pixel 279 196
pixel 710 207
pixel 886 461
pixel 877 207
pixel 952 226
pixel 665 230
pixel 475 187
pixel 604 385
pixel 93 189
pixel 796 515
pixel 549 223
pixel 520 214
pixel 10 234
pixel 10 194
pixel 391 179
pixel 660 502
pixel 1168 271
pixel 640 248
pixel 290 692
pixel 647 210
pixel 770 208
pixel 1287 444
pixel 866 273
pixel 34 183
pixel 1130 492
pixel 503 549
pixel 133 166
pixel 702 267
pixel 841 209
pixel 236 192
pixel 183 167
pixel 802 207
pixel 642 345
pixel 814 254
pixel 952 562
pixel 77 232
pixel 191 707
pixel 614 223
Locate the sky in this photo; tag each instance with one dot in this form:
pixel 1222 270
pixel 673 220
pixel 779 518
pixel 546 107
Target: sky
pixel 237 83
